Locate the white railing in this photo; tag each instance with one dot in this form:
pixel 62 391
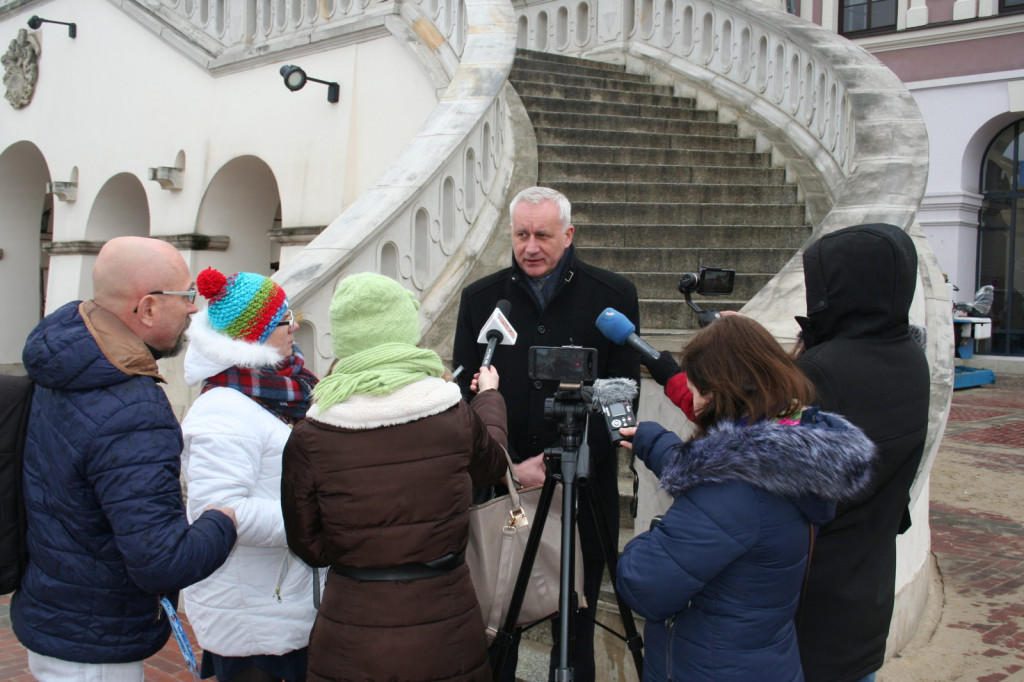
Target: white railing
pixel 846 128
pixel 432 212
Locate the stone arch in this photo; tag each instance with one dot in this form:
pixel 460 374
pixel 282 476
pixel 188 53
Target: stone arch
pixel 26 219
pixel 242 203
pixel 121 208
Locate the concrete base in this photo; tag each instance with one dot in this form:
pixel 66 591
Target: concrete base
pixel 1012 365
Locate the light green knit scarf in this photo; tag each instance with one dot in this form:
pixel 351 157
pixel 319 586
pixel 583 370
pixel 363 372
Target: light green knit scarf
pixel 379 370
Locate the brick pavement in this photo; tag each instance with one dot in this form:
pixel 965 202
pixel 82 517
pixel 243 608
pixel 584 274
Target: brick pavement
pixel 977 536
pixel 978 542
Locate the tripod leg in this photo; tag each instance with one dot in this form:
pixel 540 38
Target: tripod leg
pixel 633 639
pixel 504 639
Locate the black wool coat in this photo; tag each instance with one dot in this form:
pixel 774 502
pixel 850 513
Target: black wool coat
pixel 582 292
pixel 865 366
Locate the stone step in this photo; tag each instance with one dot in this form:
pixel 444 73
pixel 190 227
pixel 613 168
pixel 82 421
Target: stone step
pixel 631 124
pixel 556 61
pixel 662 285
pixel 722 236
pixel 675 315
pixel 610 82
pixel 682 108
pixel 586 153
pixel 565 91
pixel 613 212
pixel 570 171
pixel 618 139
pixel 677 192
pixel 681 259
pixel 585 69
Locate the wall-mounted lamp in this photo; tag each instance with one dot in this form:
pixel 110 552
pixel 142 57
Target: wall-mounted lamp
pixel 295 79
pixel 35 22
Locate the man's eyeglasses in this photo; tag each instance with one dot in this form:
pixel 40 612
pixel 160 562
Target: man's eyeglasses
pixel 190 295
pixel 288 319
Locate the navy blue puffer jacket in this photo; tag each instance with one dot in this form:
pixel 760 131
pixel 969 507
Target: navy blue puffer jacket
pixel 107 532
pixel 719 579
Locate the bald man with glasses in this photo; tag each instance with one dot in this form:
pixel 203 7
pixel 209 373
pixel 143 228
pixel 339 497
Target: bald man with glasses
pixel 107 531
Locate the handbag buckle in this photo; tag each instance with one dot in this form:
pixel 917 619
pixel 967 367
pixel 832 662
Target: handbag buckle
pixel 517 519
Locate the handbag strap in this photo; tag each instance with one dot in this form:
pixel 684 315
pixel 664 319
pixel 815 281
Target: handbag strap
pixel 517 519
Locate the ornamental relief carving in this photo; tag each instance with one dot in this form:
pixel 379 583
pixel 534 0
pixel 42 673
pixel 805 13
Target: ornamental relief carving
pixel 21 69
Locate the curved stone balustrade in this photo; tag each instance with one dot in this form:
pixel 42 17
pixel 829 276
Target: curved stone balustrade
pixel 847 129
pixel 434 209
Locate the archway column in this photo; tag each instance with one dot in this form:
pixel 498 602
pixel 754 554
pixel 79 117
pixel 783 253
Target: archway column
pixel 950 220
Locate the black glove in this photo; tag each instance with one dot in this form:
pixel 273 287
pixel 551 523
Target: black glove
pixel 662 369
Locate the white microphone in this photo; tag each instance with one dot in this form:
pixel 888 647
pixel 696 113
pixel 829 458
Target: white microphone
pixel 614 398
pixel 497 329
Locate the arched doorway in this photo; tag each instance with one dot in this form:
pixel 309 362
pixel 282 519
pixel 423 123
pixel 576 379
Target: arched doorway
pixel 1001 237
pixel 25 221
pixel 242 203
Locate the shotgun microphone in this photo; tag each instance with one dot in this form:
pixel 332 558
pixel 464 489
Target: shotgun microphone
pixel 497 330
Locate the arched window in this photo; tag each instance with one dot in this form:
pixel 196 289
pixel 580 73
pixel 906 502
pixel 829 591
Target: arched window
pixel 1001 237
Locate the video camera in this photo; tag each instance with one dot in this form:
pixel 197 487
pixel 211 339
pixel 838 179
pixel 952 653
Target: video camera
pixel 706 282
pixel 573 367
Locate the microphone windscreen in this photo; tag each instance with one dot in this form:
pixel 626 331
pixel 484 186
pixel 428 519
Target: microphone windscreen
pixel 616 390
pixel 614 325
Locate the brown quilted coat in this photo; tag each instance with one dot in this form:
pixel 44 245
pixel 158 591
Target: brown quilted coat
pixel 382 497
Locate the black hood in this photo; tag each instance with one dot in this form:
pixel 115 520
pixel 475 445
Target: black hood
pixel 860 284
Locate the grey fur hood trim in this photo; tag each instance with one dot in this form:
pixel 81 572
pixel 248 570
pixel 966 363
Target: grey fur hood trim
pixel 824 456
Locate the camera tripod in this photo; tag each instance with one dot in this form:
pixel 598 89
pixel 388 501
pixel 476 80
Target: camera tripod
pixel 570 465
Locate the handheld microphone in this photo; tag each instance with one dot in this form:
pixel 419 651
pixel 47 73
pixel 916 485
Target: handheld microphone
pixel 496 330
pixel 614 397
pixel 618 329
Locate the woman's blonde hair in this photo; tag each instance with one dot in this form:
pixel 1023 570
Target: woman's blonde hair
pixel 743 372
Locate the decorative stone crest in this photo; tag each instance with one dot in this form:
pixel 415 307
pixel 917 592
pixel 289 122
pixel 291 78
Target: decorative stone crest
pixel 21 69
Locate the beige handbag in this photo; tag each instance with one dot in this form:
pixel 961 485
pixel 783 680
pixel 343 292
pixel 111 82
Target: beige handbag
pixel 498 531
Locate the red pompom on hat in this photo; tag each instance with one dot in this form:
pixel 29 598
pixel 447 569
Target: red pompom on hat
pixel 210 283
pixel 244 306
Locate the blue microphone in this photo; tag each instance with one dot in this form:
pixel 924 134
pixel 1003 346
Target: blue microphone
pixel 617 328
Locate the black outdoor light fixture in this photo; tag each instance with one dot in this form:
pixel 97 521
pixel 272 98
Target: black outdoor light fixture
pixel 295 79
pixel 35 22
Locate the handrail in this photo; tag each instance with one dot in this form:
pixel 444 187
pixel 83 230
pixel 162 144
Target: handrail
pixel 432 211
pixel 846 127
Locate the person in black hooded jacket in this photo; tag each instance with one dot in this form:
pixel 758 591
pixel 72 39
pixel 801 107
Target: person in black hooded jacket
pixel 860 355
pixel 865 363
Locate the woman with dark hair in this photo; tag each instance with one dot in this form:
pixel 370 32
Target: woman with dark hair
pixel 719 577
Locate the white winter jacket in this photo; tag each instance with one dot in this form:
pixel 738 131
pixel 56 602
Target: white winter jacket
pixel 261 600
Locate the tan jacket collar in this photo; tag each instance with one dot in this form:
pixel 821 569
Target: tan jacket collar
pixel 117 342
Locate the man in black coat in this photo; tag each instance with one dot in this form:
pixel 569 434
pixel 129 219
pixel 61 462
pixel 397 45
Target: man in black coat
pixel 865 365
pixel 555 301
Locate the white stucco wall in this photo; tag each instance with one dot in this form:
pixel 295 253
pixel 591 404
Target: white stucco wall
pixel 119 99
pixel 962 116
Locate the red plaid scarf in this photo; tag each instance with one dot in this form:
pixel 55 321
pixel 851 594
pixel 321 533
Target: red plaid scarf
pixel 284 390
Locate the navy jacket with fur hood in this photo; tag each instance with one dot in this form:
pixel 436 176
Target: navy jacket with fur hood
pixel 107 533
pixel 719 578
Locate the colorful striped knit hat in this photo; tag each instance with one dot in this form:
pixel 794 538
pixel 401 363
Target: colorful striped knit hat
pixel 243 306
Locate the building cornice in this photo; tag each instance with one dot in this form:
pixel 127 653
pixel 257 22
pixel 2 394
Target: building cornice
pixel 960 31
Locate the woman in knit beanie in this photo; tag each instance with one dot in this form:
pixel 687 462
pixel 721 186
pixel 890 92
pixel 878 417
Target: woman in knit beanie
pixel 252 617
pixel 377 484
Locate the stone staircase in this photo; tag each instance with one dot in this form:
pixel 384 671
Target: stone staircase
pixel 658 186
